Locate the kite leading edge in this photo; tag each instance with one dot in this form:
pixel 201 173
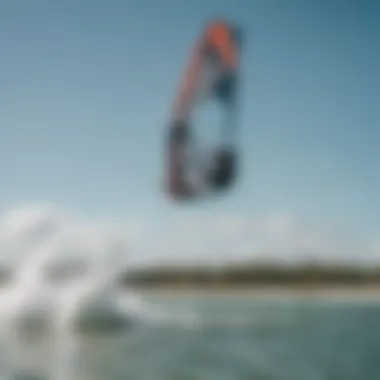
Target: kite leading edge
pixel 214 66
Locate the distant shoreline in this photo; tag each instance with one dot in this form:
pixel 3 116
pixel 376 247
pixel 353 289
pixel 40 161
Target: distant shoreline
pixel 253 276
pixel 343 293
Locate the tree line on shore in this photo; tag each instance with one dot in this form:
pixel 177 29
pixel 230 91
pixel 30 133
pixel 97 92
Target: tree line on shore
pixel 245 274
pixel 251 274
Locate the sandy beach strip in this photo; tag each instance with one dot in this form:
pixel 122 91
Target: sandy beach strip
pixel 334 293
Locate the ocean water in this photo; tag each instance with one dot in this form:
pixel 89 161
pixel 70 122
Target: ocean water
pixel 248 340
pixel 234 338
pixel 62 318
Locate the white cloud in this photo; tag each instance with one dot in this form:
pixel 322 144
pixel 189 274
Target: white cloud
pixel 376 247
pixel 212 236
pixel 191 236
pixel 373 254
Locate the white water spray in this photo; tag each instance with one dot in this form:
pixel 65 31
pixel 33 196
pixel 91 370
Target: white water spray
pixel 63 280
pixel 64 286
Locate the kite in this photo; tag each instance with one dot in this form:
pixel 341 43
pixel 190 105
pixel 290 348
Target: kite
pixel 211 75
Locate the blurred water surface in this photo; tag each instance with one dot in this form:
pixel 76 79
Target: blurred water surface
pixel 233 338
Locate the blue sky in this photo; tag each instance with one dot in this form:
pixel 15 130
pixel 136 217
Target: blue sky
pixel 86 91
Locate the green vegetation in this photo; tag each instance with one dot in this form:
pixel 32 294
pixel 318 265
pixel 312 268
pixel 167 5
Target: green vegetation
pixel 254 275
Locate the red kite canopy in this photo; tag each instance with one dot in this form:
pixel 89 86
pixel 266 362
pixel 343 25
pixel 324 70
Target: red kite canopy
pixel 213 69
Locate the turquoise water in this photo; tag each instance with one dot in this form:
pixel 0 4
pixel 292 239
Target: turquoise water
pixel 240 339
pixel 251 340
